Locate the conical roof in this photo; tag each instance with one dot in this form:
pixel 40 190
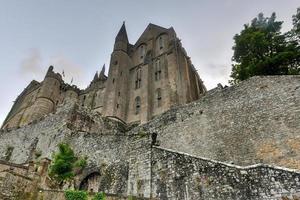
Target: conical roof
pixel 122 34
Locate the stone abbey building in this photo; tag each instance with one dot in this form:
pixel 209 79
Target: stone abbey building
pixel 144 80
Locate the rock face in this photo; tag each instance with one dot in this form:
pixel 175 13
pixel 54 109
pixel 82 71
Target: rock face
pixel 177 154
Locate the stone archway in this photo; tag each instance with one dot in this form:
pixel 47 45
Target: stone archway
pixel 91 182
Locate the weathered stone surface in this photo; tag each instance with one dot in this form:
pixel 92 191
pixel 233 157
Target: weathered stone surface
pixel 181 176
pixel 257 121
pixel 254 122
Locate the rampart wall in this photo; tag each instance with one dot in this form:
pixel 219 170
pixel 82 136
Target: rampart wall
pixel 181 176
pixel 257 121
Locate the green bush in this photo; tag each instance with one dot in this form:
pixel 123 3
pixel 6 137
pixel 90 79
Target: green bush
pixel 99 196
pixel 64 163
pixel 75 195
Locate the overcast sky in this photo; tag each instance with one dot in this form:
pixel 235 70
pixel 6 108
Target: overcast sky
pixel 77 36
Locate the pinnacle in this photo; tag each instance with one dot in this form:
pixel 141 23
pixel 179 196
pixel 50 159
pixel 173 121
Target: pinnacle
pixel 122 34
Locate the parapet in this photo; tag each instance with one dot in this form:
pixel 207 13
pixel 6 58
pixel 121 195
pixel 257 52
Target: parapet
pixel 52 74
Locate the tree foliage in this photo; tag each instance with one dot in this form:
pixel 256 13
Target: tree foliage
pixel 65 163
pixel 296 22
pixel 261 49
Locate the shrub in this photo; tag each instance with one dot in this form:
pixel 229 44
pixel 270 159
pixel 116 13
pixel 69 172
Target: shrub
pixel 75 195
pixel 65 163
pixel 99 196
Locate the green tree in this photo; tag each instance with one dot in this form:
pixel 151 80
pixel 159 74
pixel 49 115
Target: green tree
pixel 65 164
pixel 296 23
pixel 261 49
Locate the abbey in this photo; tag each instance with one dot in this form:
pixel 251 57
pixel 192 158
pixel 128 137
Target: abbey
pixel 144 140
pixel 145 79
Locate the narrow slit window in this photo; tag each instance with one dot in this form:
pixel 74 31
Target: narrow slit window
pixel 157 70
pixel 161 42
pixel 137 105
pixel 138 79
pixel 158 97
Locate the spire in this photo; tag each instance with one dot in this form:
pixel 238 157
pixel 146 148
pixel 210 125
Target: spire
pixel 101 75
pixel 95 77
pixel 122 35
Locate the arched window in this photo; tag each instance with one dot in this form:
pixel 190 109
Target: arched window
pixel 142 51
pixel 137 105
pixel 157 70
pixel 138 78
pixel 158 97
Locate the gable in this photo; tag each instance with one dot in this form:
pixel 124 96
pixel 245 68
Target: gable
pixel 151 31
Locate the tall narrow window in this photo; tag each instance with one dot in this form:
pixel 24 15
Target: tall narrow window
pixel 137 105
pixel 157 70
pixel 158 97
pixel 138 78
pixel 142 51
pixel 161 42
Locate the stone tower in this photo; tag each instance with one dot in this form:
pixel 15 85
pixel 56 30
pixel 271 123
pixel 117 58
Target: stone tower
pixel 117 82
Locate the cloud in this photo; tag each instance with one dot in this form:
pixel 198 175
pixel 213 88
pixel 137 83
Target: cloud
pixel 32 64
pixel 34 67
pixel 214 73
pixel 71 69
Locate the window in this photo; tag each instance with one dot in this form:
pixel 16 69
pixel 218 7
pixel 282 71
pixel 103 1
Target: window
pixel 116 62
pixel 137 105
pixel 157 70
pixel 138 78
pixel 113 80
pixel 142 51
pixel 117 105
pixel 119 93
pixel 158 97
pixel 161 42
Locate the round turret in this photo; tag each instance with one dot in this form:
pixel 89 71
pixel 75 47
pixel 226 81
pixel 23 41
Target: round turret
pixel 48 97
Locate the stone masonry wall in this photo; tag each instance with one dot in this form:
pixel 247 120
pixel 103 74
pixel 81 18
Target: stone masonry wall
pixel 184 177
pixel 102 140
pixel 257 121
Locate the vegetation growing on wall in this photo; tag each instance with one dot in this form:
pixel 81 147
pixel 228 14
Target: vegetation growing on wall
pixel 66 164
pixel 76 195
pixel 99 196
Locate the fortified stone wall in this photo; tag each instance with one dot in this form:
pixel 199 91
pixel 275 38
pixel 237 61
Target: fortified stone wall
pixel 102 140
pixel 256 121
pixel 180 176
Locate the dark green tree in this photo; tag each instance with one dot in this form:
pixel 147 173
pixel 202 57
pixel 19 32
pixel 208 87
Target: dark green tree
pixel 296 23
pixel 65 164
pixel 261 49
